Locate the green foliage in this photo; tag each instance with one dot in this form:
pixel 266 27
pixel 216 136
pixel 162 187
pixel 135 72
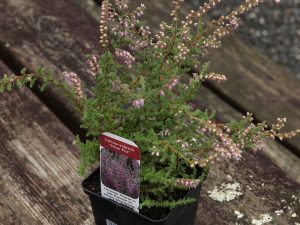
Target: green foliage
pixel 148 203
pixel 89 154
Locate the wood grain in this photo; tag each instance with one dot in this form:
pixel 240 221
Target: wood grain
pixel 38 161
pixel 57 36
pixel 265 189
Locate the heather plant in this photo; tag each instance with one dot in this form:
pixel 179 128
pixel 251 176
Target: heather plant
pixel 138 94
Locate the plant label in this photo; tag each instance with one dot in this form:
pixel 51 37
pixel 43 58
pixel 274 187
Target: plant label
pixel 120 170
pixel 108 222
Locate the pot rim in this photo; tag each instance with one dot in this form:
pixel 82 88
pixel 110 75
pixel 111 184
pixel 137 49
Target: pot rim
pixel 98 195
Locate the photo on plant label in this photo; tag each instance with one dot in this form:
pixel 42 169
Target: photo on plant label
pixel 120 173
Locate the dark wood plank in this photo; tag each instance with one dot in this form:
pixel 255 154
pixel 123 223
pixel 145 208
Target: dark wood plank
pixel 41 33
pixel 38 181
pixel 264 190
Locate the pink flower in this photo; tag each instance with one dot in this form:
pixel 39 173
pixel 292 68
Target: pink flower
pixel 234 22
pixel 93 65
pixel 172 84
pixel 187 182
pixel 73 80
pixel 125 57
pixel 138 103
pixel 162 93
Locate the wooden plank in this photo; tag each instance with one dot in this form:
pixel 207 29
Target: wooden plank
pixel 38 181
pixel 41 33
pixel 264 192
pixel 265 188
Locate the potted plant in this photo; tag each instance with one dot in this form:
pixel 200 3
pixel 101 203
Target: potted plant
pixel 139 95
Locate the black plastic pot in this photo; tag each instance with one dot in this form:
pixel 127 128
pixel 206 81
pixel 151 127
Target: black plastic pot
pixel 107 212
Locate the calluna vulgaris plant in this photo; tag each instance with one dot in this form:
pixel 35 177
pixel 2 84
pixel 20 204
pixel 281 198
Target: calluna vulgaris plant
pixel 137 94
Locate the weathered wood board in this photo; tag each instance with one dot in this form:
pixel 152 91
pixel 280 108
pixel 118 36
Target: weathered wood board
pixel 257 85
pixel 41 33
pixel 257 190
pixel 38 180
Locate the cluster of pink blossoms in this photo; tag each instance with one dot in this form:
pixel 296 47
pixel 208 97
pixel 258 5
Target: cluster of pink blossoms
pixel 187 183
pixel 104 23
pixel 172 84
pixel 169 86
pixel 216 77
pixel 128 27
pixel 213 40
pixel 160 36
pixel 73 80
pixel 139 11
pixel 125 57
pixel 195 15
pixel 122 4
pixel 234 22
pixel 93 65
pixel 182 53
pixel 138 103
pixel 225 148
pixel 259 146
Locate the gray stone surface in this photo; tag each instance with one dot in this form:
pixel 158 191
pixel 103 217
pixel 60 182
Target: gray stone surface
pixel 274 29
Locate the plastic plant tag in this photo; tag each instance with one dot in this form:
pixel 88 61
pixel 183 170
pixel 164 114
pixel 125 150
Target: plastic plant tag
pixel 120 170
pixel 108 222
